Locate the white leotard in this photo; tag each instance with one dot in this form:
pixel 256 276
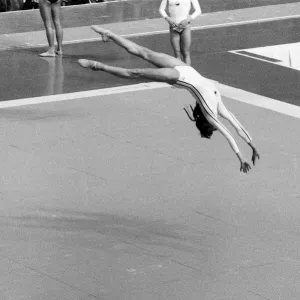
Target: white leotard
pixel 199 87
pixel 179 9
pixel 206 94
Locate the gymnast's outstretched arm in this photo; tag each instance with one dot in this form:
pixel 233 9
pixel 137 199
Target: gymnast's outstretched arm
pixel 226 114
pixel 244 165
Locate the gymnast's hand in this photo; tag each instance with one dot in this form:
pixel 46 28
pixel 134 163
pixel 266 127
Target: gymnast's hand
pixel 245 166
pixel 255 155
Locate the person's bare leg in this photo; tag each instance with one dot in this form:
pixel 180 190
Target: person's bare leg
pixel 55 10
pixel 175 42
pixel 185 44
pixel 160 60
pixel 168 75
pixel 45 10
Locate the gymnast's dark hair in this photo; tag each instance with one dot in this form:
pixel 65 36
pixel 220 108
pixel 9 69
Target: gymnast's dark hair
pixel 205 128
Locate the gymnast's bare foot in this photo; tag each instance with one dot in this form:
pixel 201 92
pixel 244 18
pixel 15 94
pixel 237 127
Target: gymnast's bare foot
pixel 91 64
pixel 103 32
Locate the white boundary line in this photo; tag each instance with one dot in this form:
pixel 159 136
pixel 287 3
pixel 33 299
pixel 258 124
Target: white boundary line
pixel 193 28
pixel 257 58
pixel 80 95
pixel 260 101
pixel 226 91
pixel 197 27
pixel 30 45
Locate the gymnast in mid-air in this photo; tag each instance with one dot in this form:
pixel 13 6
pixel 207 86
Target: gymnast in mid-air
pixel 209 104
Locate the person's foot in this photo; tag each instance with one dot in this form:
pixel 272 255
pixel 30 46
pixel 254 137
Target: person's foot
pixel 59 52
pixel 91 64
pixel 85 63
pixel 49 53
pixel 103 32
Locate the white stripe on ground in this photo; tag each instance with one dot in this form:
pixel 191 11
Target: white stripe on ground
pixel 260 101
pixel 253 57
pixel 227 91
pixel 193 28
pixel 82 95
pixel 219 25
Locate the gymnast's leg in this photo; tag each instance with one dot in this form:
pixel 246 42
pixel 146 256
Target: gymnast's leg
pixel 168 75
pixel 158 59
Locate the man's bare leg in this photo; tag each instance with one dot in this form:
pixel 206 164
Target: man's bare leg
pixel 160 60
pixel 168 75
